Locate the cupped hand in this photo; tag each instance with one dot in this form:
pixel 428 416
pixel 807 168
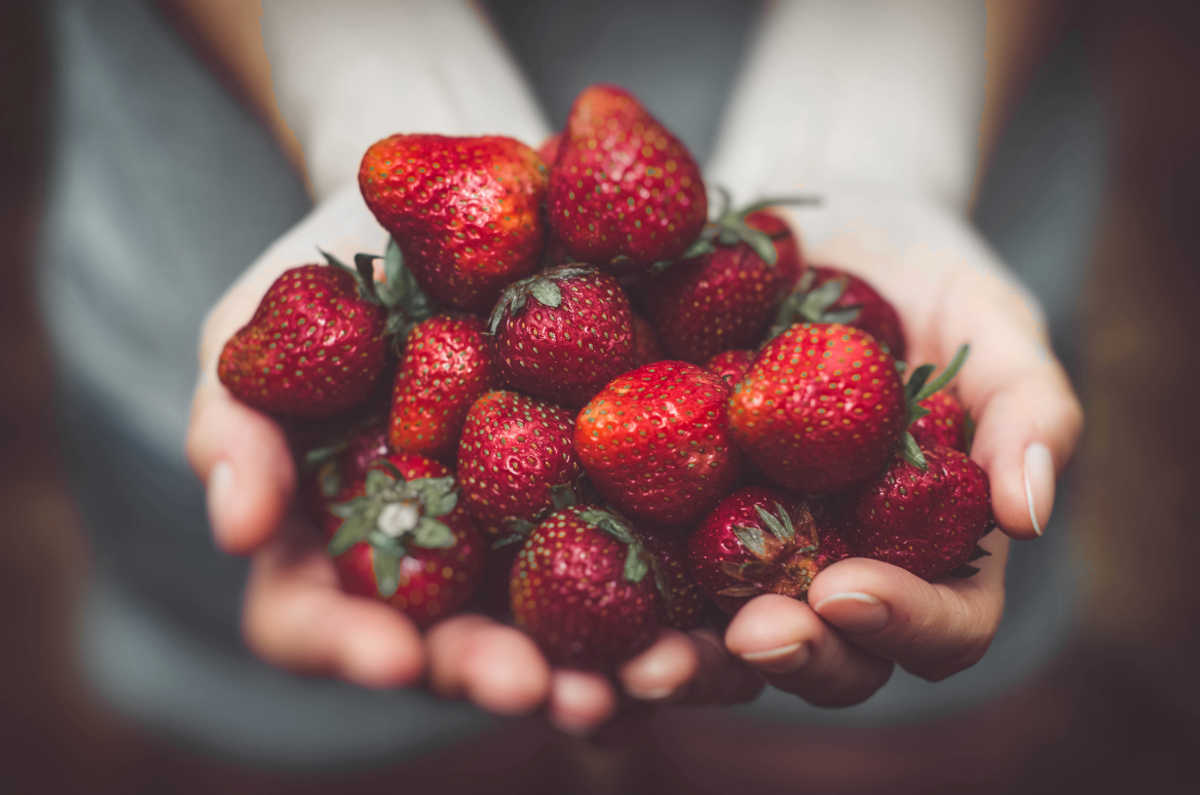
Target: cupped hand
pixel 295 615
pixel 863 616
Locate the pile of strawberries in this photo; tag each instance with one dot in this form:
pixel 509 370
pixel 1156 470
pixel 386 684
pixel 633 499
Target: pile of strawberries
pixel 570 393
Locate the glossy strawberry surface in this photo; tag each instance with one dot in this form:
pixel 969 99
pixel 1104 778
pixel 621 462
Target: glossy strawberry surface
pixel 731 366
pixel 945 424
pixel 925 521
pixel 431 583
pixel 564 333
pixel 514 452
pixel 656 442
pixel 623 186
pixel 732 571
pixel 821 408
pixel 313 348
pixel 466 212
pixel 448 362
pixel 571 589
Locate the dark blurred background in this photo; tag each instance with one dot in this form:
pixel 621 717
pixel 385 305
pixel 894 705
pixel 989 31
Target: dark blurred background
pixel 1120 710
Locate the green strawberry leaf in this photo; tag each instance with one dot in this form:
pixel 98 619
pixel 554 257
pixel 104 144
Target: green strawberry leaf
pixel 964 571
pixel 546 292
pixel 916 381
pixel 508 540
pixel 773 522
pixel 432 534
pixel 344 510
pixel 519 527
pixel 635 564
pixel 979 552
pixel 353 530
pixel 562 495
pixel 912 452
pixel 377 481
pixel 380 540
pixel 387 572
pixel 752 538
pixel 945 376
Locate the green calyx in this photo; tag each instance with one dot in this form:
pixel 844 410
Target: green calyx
pixel 562 495
pixel 781 564
pixel 638 562
pixel 809 304
pixel 398 293
pixel 542 287
pixel 392 515
pixel 918 388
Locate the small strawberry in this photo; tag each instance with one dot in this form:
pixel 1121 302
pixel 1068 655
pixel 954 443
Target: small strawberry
pixel 516 462
pixel 316 344
pixel 823 407
pixel 448 362
pixel 583 588
pixel 756 541
pixel 925 520
pixel 829 295
pixel 465 212
pixel 404 539
pixel 645 344
pixel 682 600
pixel 656 442
pixel 623 186
pixel 731 366
pixel 563 333
pixel 946 423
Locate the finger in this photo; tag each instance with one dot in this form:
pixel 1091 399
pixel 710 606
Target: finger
pixel 580 700
pixel 496 667
pixel 1028 417
pixel 296 617
pixel 663 669
pixel 932 630
pixel 722 678
pixel 797 652
pixel 244 460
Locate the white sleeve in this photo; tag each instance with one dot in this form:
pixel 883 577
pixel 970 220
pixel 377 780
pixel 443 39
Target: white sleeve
pixel 351 72
pixel 865 97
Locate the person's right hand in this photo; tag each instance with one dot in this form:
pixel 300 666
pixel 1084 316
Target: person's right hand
pixel 295 615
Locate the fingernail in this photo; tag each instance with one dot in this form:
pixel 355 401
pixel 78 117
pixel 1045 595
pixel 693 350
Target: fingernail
pixel 1039 484
pixel 781 659
pixel 853 611
pixel 220 490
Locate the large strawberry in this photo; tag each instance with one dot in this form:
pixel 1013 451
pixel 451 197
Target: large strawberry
pixel 584 589
pixel 925 520
pixel 756 541
pixel 465 212
pixel 516 461
pixel 731 366
pixel 316 345
pixel 830 295
pixel 656 442
pixel 946 423
pixel 563 333
pixel 448 362
pixel 404 539
pixel 623 187
pixel 683 602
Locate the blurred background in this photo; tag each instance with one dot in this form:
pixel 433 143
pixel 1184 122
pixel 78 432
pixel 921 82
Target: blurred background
pixel 1119 709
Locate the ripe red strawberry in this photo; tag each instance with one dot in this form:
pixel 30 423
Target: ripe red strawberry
pixel 682 600
pixel 549 148
pixel 945 424
pixel 516 461
pixel 315 346
pixel 821 408
pixel 563 333
pixel 829 295
pixel 448 362
pixel 465 212
pixel 623 186
pixel 404 539
pixel 731 366
pixel 756 541
pixel 656 442
pixel 645 344
pixel 582 588
pixel 927 521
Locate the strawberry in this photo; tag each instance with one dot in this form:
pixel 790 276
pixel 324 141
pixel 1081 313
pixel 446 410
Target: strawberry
pixel 731 365
pixel 465 212
pixel 945 424
pixel 448 362
pixel 656 442
pixel 582 588
pixel 756 541
pixel 623 186
pixel 328 470
pixel 645 344
pixel 563 333
pixel 787 246
pixel 315 346
pixel 682 600
pixel 549 148
pixel 516 461
pixel 404 539
pixel 829 295
pixel 925 520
